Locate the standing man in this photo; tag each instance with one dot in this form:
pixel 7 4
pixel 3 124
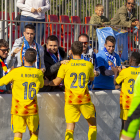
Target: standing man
pixel 4 49
pixel 24 108
pixel 125 15
pixel 76 75
pixel 106 59
pixel 54 56
pixel 21 45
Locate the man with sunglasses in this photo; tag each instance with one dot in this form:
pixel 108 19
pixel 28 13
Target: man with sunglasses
pixel 106 59
pixel 125 15
pixel 88 54
pixel 4 49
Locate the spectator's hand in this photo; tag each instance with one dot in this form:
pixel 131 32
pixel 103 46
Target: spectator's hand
pixel 33 10
pixel 64 61
pixel 114 69
pixel 96 73
pixel 15 51
pixel 119 69
pixel 43 70
pixel 39 10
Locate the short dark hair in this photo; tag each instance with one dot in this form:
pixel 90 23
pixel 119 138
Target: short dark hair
pixel 4 43
pixel 83 35
pixel 29 26
pixel 111 39
pixel 30 55
pixel 52 38
pixel 77 48
pixel 136 57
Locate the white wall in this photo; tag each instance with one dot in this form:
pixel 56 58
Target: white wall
pixel 52 120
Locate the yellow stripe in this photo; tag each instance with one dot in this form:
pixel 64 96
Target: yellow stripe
pixel 68 130
pixel 92 127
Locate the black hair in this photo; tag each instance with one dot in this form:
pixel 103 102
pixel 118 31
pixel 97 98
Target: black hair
pixel 29 26
pixel 77 48
pixel 135 56
pixel 83 35
pixel 111 39
pixel 4 43
pixel 52 38
pixel 30 55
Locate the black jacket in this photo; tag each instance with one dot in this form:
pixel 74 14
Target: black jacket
pixel 52 69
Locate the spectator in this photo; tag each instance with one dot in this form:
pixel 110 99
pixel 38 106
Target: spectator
pixel 34 10
pixel 125 15
pixel 106 59
pixel 21 45
pixel 54 56
pixel 4 49
pixel 99 19
pixel 88 54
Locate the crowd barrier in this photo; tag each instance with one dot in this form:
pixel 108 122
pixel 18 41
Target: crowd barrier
pixel 52 120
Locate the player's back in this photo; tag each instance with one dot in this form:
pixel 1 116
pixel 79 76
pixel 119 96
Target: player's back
pixel 77 73
pixel 130 75
pixel 26 84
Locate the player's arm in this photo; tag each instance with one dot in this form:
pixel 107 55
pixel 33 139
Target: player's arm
pixel 6 79
pixel 91 76
pixel 115 70
pixel 58 79
pixel 54 82
pixel 118 79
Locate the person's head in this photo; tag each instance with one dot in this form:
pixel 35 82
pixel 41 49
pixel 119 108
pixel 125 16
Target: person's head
pixel 29 33
pixel 4 48
pixel 77 48
pixel 30 56
pixel 134 59
pixel 84 38
pixel 52 44
pixel 110 44
pixel 130 4
pixel 99 9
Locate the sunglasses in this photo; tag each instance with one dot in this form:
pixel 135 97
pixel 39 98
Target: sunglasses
pixel 85 43
pixel 130 3
pixel 4 50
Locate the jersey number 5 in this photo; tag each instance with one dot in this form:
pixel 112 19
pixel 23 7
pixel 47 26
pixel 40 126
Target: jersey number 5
pixel 79 77
pixel 29 90
pixel 131 86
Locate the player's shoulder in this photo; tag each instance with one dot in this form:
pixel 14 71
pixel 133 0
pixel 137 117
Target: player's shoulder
pixel 16 69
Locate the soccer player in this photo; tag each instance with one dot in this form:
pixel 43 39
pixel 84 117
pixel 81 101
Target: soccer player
pixel 133 122
pixel 76 75
pixel 127 77
pixel 26 83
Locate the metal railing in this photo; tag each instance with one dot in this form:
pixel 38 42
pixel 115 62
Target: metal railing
pixel 81 8
pixel 66 33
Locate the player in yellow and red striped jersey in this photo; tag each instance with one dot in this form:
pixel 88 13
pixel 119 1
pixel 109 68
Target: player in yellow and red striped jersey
pixel 26 83
pixel 127 76
pixel 76 75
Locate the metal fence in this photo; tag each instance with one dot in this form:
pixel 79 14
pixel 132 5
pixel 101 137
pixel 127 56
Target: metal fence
pixel 66 33
pixel 81 8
